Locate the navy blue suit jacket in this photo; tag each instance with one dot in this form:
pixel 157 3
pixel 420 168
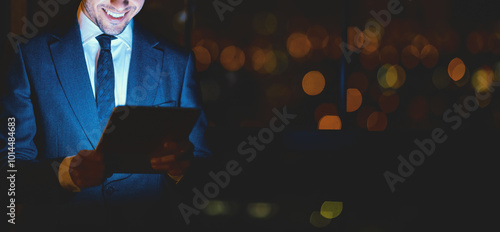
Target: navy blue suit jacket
pixel 50 96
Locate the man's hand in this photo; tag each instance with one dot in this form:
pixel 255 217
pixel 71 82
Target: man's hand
pixel 172 157
pixel 87 169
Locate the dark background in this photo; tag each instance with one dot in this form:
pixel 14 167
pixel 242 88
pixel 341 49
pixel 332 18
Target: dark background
pixel 303 166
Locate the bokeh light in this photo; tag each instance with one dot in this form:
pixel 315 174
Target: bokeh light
pixel 325 109
pixel 377 121
pixel 391 76
pixel 482 79
pixel 389 55
pixel 429 56
pixel 419 42
pixel 331 209
pixel 313 83
pixel 355 38
pixel 298 45
pixel 261 210
pixel 330 122
pixel 318 36
pixel 388 101
pixel 211 46
pixel 217 208
pixel 265 23
pixel 332 49
pixel 354 99
pixel 456 69
pixel 318 221
pixel 363 115
pixel 203 58
pixel 232 58
pixel 410 56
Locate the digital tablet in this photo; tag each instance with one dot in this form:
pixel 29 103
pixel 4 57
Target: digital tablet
pixel 133 132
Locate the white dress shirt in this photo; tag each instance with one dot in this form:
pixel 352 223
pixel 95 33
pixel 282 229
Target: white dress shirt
pixel 121 50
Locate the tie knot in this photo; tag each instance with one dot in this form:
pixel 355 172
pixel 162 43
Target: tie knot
pixel 105 41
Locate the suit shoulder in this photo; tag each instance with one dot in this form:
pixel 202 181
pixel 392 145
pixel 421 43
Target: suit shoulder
pixel 163 44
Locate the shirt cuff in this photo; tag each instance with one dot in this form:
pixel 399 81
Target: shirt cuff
pixel 65 178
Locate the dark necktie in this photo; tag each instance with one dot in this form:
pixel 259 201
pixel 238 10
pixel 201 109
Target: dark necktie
pixel 105 80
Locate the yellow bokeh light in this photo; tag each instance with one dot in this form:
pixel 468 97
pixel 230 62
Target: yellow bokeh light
pixel 482 79
pixel 331 209
pixel 313 83
pixel 298 45
pixel 456 69
pixel 391 76
pixel 216 208
pixel 330 122
pixel 318 221
pixel 354 99
pixel 260 210
pixel 232 58
pixel 265 23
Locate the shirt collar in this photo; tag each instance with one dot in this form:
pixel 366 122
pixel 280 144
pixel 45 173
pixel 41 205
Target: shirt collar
pixel 89 30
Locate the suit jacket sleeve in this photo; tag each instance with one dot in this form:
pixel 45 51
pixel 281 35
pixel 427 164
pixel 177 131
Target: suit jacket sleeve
pixel 190 97
pixel 35 179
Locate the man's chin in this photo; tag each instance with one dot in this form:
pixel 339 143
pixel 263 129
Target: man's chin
pixel 113 29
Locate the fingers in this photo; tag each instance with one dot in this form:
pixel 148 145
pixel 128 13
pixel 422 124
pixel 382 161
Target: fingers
pixel 170 164
pixel 87 169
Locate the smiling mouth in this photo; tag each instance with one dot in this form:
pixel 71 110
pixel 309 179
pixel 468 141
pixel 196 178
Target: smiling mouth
pixel 114 15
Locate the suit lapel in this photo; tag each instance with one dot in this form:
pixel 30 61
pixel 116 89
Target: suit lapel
pixel 67 54
pixel 145 69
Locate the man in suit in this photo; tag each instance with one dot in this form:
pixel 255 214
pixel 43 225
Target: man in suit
pixel 61 90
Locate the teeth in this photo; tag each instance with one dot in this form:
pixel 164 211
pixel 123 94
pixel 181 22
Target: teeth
pixel 114 15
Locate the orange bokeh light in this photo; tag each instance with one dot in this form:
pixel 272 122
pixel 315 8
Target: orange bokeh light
pixel 456 69
pixel 330 122
pixel 203 58
pixel 429 56
pixel 313 83
pixel 298 45
pixel 232 58
pixel 325 109
pixel 354 99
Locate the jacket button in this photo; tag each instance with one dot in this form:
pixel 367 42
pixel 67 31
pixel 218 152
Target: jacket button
pixel 110 190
